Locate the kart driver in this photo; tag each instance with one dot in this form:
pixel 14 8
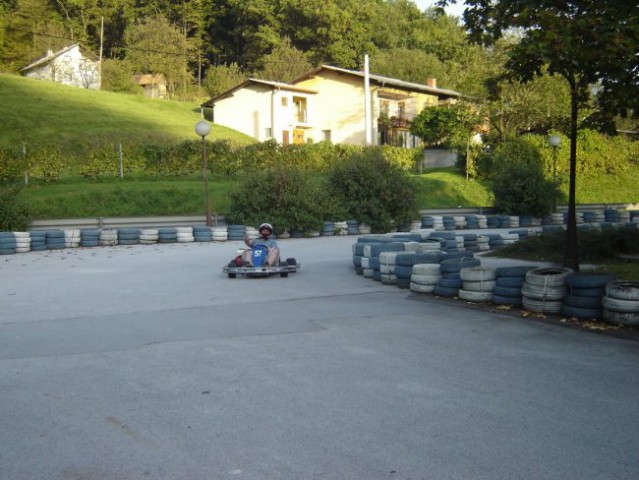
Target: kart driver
pixel 273 253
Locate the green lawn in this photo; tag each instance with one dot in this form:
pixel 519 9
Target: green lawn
pixel 39 113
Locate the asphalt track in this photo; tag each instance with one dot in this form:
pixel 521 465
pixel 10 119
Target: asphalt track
pixel 146 362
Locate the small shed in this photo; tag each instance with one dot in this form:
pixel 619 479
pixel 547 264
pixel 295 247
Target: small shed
pixel 153 85
pixel 73 65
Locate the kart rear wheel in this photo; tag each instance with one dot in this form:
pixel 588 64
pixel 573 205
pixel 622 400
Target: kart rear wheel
pixel 283 274
pixel 291 261
pixel 232 275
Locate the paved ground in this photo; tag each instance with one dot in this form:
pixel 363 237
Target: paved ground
pixel 146 362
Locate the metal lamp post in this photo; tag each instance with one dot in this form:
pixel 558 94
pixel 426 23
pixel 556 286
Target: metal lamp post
pixel 202 128
pixel 554 141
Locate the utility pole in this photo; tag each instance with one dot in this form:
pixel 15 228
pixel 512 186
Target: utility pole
pixel 367 103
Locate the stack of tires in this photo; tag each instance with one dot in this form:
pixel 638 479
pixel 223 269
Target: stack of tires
pixel 149 236
pixel 544 289
pixel 449 222
pixel 185 234
pixel 38 240
pixel 341 228
pixel 108 237
pixel 8 244
pixel 470 242
pixel 23 242
pixel 450 280
pixel 352 227
pixel 478 284
pixel 433 221
pixel 253 233
pixel 621 303
pixel 328 229
pixel 508 284
pixel 584 294
pixel 370 258
pixel 364 229
pixel 202 233
pixel 72 238
pixel 89 237
pixel 404 263
pixel 55 239
pixel 167 235
pixel 236 232
pixel 358 254
pixel 221 234
pixel 425 277
pixel 387 268
pixel 483 243
pixel 128 236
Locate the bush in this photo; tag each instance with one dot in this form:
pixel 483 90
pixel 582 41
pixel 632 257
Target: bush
pixel 14 214
pixel 289 199
pixel 13 164
pixel 47 163
pixel 519 185
pixel 374 191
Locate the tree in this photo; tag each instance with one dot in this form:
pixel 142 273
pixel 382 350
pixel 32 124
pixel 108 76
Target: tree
pixel 284 63
pixel 155 46
pixel 587 43
pixel 221 78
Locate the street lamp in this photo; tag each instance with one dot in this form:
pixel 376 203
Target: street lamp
pixel 202 128
pixel 554 141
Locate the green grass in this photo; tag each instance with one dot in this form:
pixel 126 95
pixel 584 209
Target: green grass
pixel 39 113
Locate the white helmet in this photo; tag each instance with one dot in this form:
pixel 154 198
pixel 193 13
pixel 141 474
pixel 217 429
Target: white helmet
pixel 266 226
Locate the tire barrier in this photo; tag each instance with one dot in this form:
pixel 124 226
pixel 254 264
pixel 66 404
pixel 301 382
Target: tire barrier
pixel 23 241
pixel 508 284
pixel 8 243
pixel 364 229
pixel 328 229
pixel 236 232
pixel 128 236
pixel 72 238
pixel 478 284
pixel 584 294
pixel 89 237
pixel 202 233
pixel 352 227
pixel 185 234
pixel 54 239
pixel 108 238
pixel 220 234
pixel 621 303
pixel 167 235
pixel 544 289
pixel 38 240
pixel 149 236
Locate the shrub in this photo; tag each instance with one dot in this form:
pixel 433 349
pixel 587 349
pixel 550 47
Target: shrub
pixel 47 163
pixel 374 191
pixel 14 213
pixel 519 185
pixel 289 199
pixel 13 164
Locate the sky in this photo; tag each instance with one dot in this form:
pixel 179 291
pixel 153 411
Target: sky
pixel 456 10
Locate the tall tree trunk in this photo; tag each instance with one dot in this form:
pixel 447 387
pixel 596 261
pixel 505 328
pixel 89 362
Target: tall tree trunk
pixel 571 252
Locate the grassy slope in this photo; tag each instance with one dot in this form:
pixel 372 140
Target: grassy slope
pixel 39 113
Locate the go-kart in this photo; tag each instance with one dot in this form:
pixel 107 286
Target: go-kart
pixel 259 268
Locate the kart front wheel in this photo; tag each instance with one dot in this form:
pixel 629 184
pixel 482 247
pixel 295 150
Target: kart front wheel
pixel 232 275
pixel 283 274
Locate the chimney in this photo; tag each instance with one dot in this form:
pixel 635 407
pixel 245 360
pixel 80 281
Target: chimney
pixel 431 82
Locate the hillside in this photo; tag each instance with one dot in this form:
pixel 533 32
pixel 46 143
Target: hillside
pixel 39 113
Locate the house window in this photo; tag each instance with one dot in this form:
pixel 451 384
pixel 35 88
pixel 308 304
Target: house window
pixel 384 107
pixel 327 135
pixel 401 107
pixel 268 132
pixel 298 136
pixel 285 101
pixel 300 109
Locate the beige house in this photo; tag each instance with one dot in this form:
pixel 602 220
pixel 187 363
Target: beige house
pixel 265 110
pixel 327 103
pixel 73 65
pixel 152 85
